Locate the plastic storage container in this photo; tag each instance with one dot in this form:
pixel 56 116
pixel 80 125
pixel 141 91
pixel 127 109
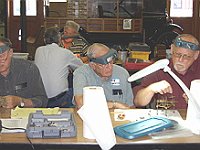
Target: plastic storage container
pixel 142 128
pixel 139 55
pixel 139 50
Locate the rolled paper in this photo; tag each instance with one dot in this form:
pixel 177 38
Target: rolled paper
pixel 96 117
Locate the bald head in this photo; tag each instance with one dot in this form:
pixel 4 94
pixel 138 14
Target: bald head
pixel 97 50
pixel 189 38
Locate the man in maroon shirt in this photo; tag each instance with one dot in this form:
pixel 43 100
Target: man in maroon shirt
pixel 185 63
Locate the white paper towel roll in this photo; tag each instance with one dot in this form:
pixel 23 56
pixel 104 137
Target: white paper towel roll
pixel 193 115
pixel 96 117
pixel 88 95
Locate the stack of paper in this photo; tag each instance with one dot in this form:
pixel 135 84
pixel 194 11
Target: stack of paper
pixel 14 123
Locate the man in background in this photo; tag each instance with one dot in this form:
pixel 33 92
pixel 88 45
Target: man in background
pixel 55 64
pixel 71 29
pixel 72 40
pixel 20 80
pixel 184 62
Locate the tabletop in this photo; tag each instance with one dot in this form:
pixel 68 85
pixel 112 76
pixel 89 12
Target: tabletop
pixel 14 140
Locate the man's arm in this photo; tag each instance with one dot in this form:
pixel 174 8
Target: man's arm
pixel 38 97
pixel 117 105
pixel 75 62
pixel 78 101
pixel 79 82
pixel 144 95
pixel 12 101
pixel 111 104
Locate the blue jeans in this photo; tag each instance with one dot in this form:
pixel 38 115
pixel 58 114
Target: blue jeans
pixel 65 101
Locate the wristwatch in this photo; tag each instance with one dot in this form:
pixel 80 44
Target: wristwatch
pixel 22 103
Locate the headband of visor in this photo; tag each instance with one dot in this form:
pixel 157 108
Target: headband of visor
pixel 105 59
pixel 178 42
pixel 4 48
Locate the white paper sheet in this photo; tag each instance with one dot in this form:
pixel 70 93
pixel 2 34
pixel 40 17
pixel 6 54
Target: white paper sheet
pixel 193 115
pixel 96 117
pixel 18 113
pixel 139 114
pixel 14 123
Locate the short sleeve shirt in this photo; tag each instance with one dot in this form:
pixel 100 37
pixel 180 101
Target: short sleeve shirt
pixel 116 88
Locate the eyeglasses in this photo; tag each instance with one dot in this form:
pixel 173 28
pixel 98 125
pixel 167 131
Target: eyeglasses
pixel 105 65
pixel 4 55
pixel 4 48
pixel 183 56
pixel 105 59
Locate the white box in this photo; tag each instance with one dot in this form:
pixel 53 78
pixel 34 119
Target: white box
pixel 21 55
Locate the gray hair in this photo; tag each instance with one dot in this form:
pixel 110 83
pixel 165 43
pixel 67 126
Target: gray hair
pixel 93 49
pixel 72 24
pixel 52 35
pixel 6 41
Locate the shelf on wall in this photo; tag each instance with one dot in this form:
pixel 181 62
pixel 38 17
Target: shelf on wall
pixel 114 25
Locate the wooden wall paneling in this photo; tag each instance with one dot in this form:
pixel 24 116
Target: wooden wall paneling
pixel 13 26
pixel 190 25
pixel 185 23
pixel 33 24
pixel 197 19
pixel 58 9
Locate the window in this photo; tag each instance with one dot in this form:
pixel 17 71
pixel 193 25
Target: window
pixel 31 7
pixel 181 8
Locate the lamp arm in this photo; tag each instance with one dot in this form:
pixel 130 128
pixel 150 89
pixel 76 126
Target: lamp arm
pixel 160 64
pixel 183 86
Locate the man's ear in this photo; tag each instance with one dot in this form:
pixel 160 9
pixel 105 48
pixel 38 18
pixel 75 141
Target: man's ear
pixel 11 52
pixel 92 65
pixel 196 55
pixel 172 48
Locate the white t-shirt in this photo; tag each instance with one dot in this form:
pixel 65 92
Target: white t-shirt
pixel 54 63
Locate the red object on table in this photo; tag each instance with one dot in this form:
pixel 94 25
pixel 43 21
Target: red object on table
pixel 137 65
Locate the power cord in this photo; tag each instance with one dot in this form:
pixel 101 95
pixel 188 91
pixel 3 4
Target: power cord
pixel 8 128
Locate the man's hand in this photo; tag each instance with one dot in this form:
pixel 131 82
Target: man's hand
pixel 117 105
pixel 144 96
pixel 10 101
pixel 161 87
pixel 185 97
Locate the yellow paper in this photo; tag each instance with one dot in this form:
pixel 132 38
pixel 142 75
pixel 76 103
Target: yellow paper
pixel 24 112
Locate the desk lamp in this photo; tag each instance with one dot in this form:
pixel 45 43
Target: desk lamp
pixel 163 64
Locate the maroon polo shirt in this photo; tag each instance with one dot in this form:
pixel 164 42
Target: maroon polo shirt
pixel 192 74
